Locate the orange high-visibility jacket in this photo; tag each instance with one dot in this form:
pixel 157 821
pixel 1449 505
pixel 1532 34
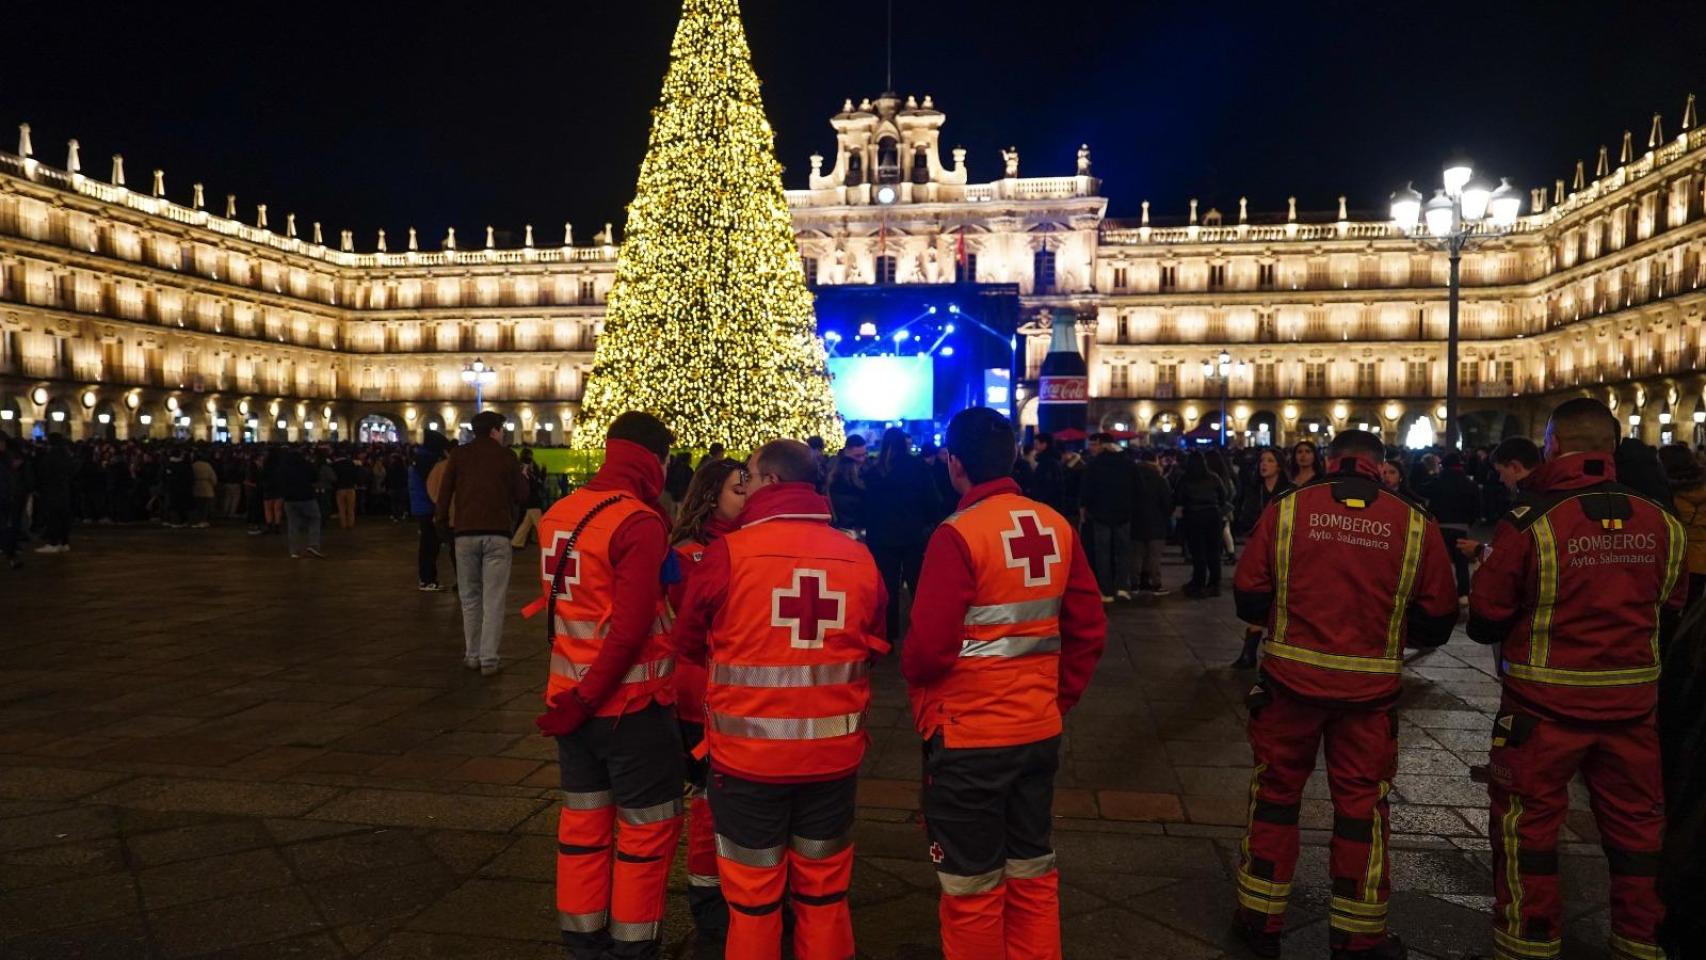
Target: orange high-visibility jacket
pixel 790 652
pixel 1005 687
pixel 584 601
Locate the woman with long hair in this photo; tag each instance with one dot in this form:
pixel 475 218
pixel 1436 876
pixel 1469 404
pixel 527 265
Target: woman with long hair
pixel 1200 498
pixel 1217 465
pixel 902 507
pixel 1305 462
pixel 708 510
pixel 1254 498
pixel 1392 476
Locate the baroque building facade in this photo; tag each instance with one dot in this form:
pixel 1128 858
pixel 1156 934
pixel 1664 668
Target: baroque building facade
pixel 126 314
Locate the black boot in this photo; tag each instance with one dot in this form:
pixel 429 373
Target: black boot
pixel 1391 948
pixel 1258 941
pixel 1247 659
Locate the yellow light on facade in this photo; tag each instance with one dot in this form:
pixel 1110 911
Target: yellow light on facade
pixel 409 414
pixel 38 396
pixel 1339 411
pixel 1291 411
pixel 172 404
pixel 89 399
pixel 1392 410
pixel 132 400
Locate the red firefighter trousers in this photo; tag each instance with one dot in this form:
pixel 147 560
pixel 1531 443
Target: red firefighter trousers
pixel 1530 768
pixel 1362 756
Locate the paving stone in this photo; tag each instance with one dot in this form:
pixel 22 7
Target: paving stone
pixel 53 783
pixel 1116 934
pixel 74 824
pixel 357 852
pixel 1146 807
pixel 439 811
pixel 528 858
pixel 195 841
pixel 38 866
pixel 218 796
pixel 124 939
pixel 201 928
pixel 209 878
pixel 893 794
pixel 72 902
pixel 494 770
pixel 392 893
pixel 416 945
pixel 511 909
pixel 466 851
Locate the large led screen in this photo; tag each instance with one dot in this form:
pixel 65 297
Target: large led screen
pixel 883 388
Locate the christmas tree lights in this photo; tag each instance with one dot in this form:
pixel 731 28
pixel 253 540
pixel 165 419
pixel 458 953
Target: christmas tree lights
pixel 710 325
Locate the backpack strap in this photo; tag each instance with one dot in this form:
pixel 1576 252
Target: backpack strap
pixel 562 557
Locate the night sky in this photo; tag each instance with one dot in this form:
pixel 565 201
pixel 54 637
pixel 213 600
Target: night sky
pixel 367 114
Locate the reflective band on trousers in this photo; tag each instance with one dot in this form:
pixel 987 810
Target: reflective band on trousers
pixel 639 673
pixel 704 880
pixel 581 922
pixel 639 816
pixel 820 849
pixel 595 800
pixel 762 857
pixel 1582 678
pixel 634 932
pixel 1022 611
pixel 814 675
pixel 1031 868
pixel 785 728
pixel 1010 647
pixel 955 885
pixel 1333 661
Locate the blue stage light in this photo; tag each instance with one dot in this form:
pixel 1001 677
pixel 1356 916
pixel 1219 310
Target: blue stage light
pixel 932 308
pixel 953 308
pixel 867 329
pixel 899 335
pixel 948 329
pixel 947 351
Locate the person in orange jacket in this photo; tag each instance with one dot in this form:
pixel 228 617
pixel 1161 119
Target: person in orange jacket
pixel 709 510
pixel 1006 632
pixel 1581 591
pixel 788 612
pixel 1344 573
pixel 602 561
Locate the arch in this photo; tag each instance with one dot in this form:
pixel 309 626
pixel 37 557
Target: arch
pixel 1416 430
pixel 57 416
pixel 1262 423
pixel 11 414
pixel 1164 427
pixel 379 428
pixel 104 420
pixel 1484 428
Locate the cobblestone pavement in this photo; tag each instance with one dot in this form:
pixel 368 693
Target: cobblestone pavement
pixel 209 749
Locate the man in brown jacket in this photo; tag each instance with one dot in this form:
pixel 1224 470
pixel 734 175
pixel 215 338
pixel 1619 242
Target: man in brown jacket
pixel 482 488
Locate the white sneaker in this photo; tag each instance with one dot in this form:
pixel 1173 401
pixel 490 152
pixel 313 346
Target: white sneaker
pixel 47 548
pixel 1107 599
pixel 472 663
pixel 1123 594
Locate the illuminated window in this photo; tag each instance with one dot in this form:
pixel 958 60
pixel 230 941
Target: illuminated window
pixel 1216 276
pixel 1169 277
pixel 885 269
pixel 1265 275
pixel 1119 278
pixel 1042 271
pixel 809 264
pixel 1119 379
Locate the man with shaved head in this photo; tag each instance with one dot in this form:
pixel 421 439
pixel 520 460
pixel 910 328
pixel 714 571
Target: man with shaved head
pixel 1580 591
pixel 789 613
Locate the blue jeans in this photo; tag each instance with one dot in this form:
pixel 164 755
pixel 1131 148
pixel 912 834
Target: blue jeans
pixel 482 579
pixel 302 521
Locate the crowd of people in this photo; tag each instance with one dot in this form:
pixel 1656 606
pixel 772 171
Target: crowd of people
pixel 715 623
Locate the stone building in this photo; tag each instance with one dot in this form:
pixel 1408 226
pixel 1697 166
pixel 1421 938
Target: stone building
pixel 126 313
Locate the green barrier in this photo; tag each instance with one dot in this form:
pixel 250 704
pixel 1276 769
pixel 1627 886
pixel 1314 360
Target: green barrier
pixel 580 465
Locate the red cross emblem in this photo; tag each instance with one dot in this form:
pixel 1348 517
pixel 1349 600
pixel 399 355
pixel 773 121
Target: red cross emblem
pixel 571 566
pixel 1030 547
pixel 808 608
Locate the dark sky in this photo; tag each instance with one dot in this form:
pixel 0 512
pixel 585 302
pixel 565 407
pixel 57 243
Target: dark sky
pixel 367 113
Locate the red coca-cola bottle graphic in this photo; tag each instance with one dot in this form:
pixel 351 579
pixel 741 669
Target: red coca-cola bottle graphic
pixel 1063 389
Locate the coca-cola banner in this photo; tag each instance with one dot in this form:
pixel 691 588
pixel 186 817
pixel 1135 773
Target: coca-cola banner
pixel 1063 390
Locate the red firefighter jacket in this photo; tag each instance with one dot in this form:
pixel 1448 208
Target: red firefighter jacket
pixel 1345 573
pixel 1583 580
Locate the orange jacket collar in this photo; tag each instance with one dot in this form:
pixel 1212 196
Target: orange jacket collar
pixel 795 501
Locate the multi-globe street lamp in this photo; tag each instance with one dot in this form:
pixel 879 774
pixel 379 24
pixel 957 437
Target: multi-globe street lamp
pixel 1464 211
pixel 1221 368
pixel 478 374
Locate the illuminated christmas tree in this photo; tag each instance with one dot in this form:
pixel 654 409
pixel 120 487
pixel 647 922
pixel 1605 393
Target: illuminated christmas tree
pixel 710 325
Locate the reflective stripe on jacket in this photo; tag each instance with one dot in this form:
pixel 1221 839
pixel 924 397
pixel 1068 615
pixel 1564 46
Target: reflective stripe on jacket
pixel 1004 689
pixel 790 649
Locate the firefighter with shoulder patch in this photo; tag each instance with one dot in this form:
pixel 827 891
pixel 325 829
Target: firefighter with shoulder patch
pixel 1581 590
pixel 603 558
pixel 1006 632
pixel 788 613
pixel 1345 574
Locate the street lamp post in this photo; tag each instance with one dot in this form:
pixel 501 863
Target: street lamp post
pixel 478 374
pixel 1221 368
pixel 1464 211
